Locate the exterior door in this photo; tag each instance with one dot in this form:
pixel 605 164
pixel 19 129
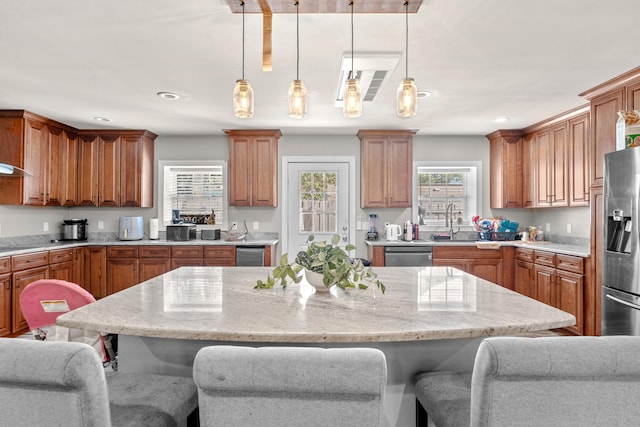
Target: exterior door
pixel 319 203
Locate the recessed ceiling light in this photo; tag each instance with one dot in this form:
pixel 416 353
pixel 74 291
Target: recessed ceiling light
pixel 424 94
pixel 102 119
pixel 501 119
pixel 169 95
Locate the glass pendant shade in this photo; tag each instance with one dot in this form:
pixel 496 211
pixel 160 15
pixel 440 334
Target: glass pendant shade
pixel 297 99
pixel 352 99
pixel 243 99
pixel 407 105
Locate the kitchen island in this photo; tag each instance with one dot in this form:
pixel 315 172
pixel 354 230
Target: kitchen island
pixel 429 318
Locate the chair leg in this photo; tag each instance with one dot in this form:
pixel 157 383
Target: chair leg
pixel 422 418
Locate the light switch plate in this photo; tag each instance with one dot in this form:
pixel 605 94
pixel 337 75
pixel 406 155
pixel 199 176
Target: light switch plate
pixel 256 225
pixel 45 226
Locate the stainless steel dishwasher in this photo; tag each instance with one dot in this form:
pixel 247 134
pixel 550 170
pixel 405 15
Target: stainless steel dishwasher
pixel 249 256
pixel 408 256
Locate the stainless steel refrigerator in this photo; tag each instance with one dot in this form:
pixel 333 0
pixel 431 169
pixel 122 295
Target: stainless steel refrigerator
pixel 621 251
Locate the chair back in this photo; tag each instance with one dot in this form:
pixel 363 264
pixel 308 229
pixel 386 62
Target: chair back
pixel 562 381
pixel 301 386
pixel 52 383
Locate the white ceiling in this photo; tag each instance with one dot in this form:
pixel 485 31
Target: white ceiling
pixel 73 60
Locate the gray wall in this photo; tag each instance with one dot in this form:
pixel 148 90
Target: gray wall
pixel 17 221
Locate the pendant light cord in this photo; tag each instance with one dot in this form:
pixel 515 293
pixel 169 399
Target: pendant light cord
pixel 351 73
pixel 242 4
pixel 297 44
pixel 406 43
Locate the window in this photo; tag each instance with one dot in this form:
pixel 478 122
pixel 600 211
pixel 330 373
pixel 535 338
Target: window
pixel 318 202
pixel 191 191
pixel 439 184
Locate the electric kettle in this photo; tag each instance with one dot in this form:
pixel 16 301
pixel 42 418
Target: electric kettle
pixel 393 232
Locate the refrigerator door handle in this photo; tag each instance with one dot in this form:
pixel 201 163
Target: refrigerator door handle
pixel 621 301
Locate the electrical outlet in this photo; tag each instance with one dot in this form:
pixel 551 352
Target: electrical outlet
pixel 45 226
pixel 0 228
pixel 256 225
pixel 100 225
pixel 568 228
pixel 547 227
pixel 234 225
pixel 359 223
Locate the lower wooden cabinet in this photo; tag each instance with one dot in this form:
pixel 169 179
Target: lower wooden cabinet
pixel 121 267
pixel 20 280
pixel 484 263
pixel 61 264
pixel 5 305
pixel 153 261
pixel 220 256
pixel 95 271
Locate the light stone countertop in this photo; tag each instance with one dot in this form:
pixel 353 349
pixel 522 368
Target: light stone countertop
pixel 220 303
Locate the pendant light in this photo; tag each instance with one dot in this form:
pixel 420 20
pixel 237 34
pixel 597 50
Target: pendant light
pixel 352 97
pixel 242 92
pixel 407 102
pixel 297 92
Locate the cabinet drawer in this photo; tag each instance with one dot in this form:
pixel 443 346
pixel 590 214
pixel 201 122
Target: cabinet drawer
pixel 544 258
pixel 220 262
pixel 60 255
pixel 186 251
pixel 22 262
pixel 465 252
pixel 5 265
pixel 122 252
pixel 524 254
pixel 570 263
pixel 220 252
pixel 154 251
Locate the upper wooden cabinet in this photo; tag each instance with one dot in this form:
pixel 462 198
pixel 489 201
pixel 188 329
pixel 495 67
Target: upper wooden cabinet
pixel 620 93
pixel 116 168
pixel 253 167
pixel 43 147
pixel 505 165
pixel 386 168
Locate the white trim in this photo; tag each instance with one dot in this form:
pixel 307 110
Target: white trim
pixel 350 160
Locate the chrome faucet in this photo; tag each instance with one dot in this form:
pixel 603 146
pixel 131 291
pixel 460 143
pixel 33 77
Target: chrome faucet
pixel 448 220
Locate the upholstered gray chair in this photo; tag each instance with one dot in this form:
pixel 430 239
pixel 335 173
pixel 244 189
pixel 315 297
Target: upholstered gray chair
pixel 64 384
pixel 550 381
pixel 287 386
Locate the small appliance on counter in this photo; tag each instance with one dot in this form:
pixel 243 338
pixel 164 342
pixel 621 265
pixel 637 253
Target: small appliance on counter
pixel 153 229
pixel 131 228
pixel 74 229
pixel 181 232
pixel 393 232
pixel 210 234
pixel 372 231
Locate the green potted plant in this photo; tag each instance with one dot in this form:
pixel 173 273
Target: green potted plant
pixel 326 263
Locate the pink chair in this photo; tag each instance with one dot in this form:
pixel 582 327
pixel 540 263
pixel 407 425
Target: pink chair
pixel 44 300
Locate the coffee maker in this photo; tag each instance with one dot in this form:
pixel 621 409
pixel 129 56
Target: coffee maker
pixel 372 231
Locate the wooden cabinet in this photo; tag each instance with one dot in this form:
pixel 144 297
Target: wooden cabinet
pixel 578 160
pixel 42 147
pixel 117 168
pixel 386 168
pixel 25 269
pixel 61 264
pixel 505 169
pixel 375 255
pixel 253 167
pixel 5 296
pixel 219 256
pixel 186 256
pixel 554 279
pixel 153 261
pixel 95 271
pixel 484 263
pixel 121 267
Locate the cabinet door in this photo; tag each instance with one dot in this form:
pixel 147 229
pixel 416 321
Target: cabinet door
pixel 593 290
pixel 578 161
pixel 88 170
pixel 487 269
pixel 220 256
pixel 525 283
pixel 79 267
pixel 5 305
pixel 95 271
pixel 121 274
pixel 604 116
pixel 109 170
pixel 55 177
pixel 545 278
pixel 569 297
pixel 558 165
pixel 152 267
pixel 543 156
pixel 35 161
pixel 20 280
pixel 62 271
pixel 505 152
pixel 69 169
pixel 375 254
pixel 529 166
pixel 400 172
pixel 460 264
pixel 240 162
pixel 374 173
pixel 264 179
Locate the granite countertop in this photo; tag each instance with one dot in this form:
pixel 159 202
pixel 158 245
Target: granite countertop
pixel 220 303
pixel 581 250
pixel 20 248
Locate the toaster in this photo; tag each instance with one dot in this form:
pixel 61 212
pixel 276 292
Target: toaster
pixel 181 232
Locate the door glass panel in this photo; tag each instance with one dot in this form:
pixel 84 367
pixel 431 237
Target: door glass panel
pixel 318 202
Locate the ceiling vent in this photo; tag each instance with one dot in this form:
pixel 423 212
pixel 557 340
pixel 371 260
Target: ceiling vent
pixel 372 69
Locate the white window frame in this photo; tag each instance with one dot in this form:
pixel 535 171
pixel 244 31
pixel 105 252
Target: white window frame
pixel 162 209
pixel 476 183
